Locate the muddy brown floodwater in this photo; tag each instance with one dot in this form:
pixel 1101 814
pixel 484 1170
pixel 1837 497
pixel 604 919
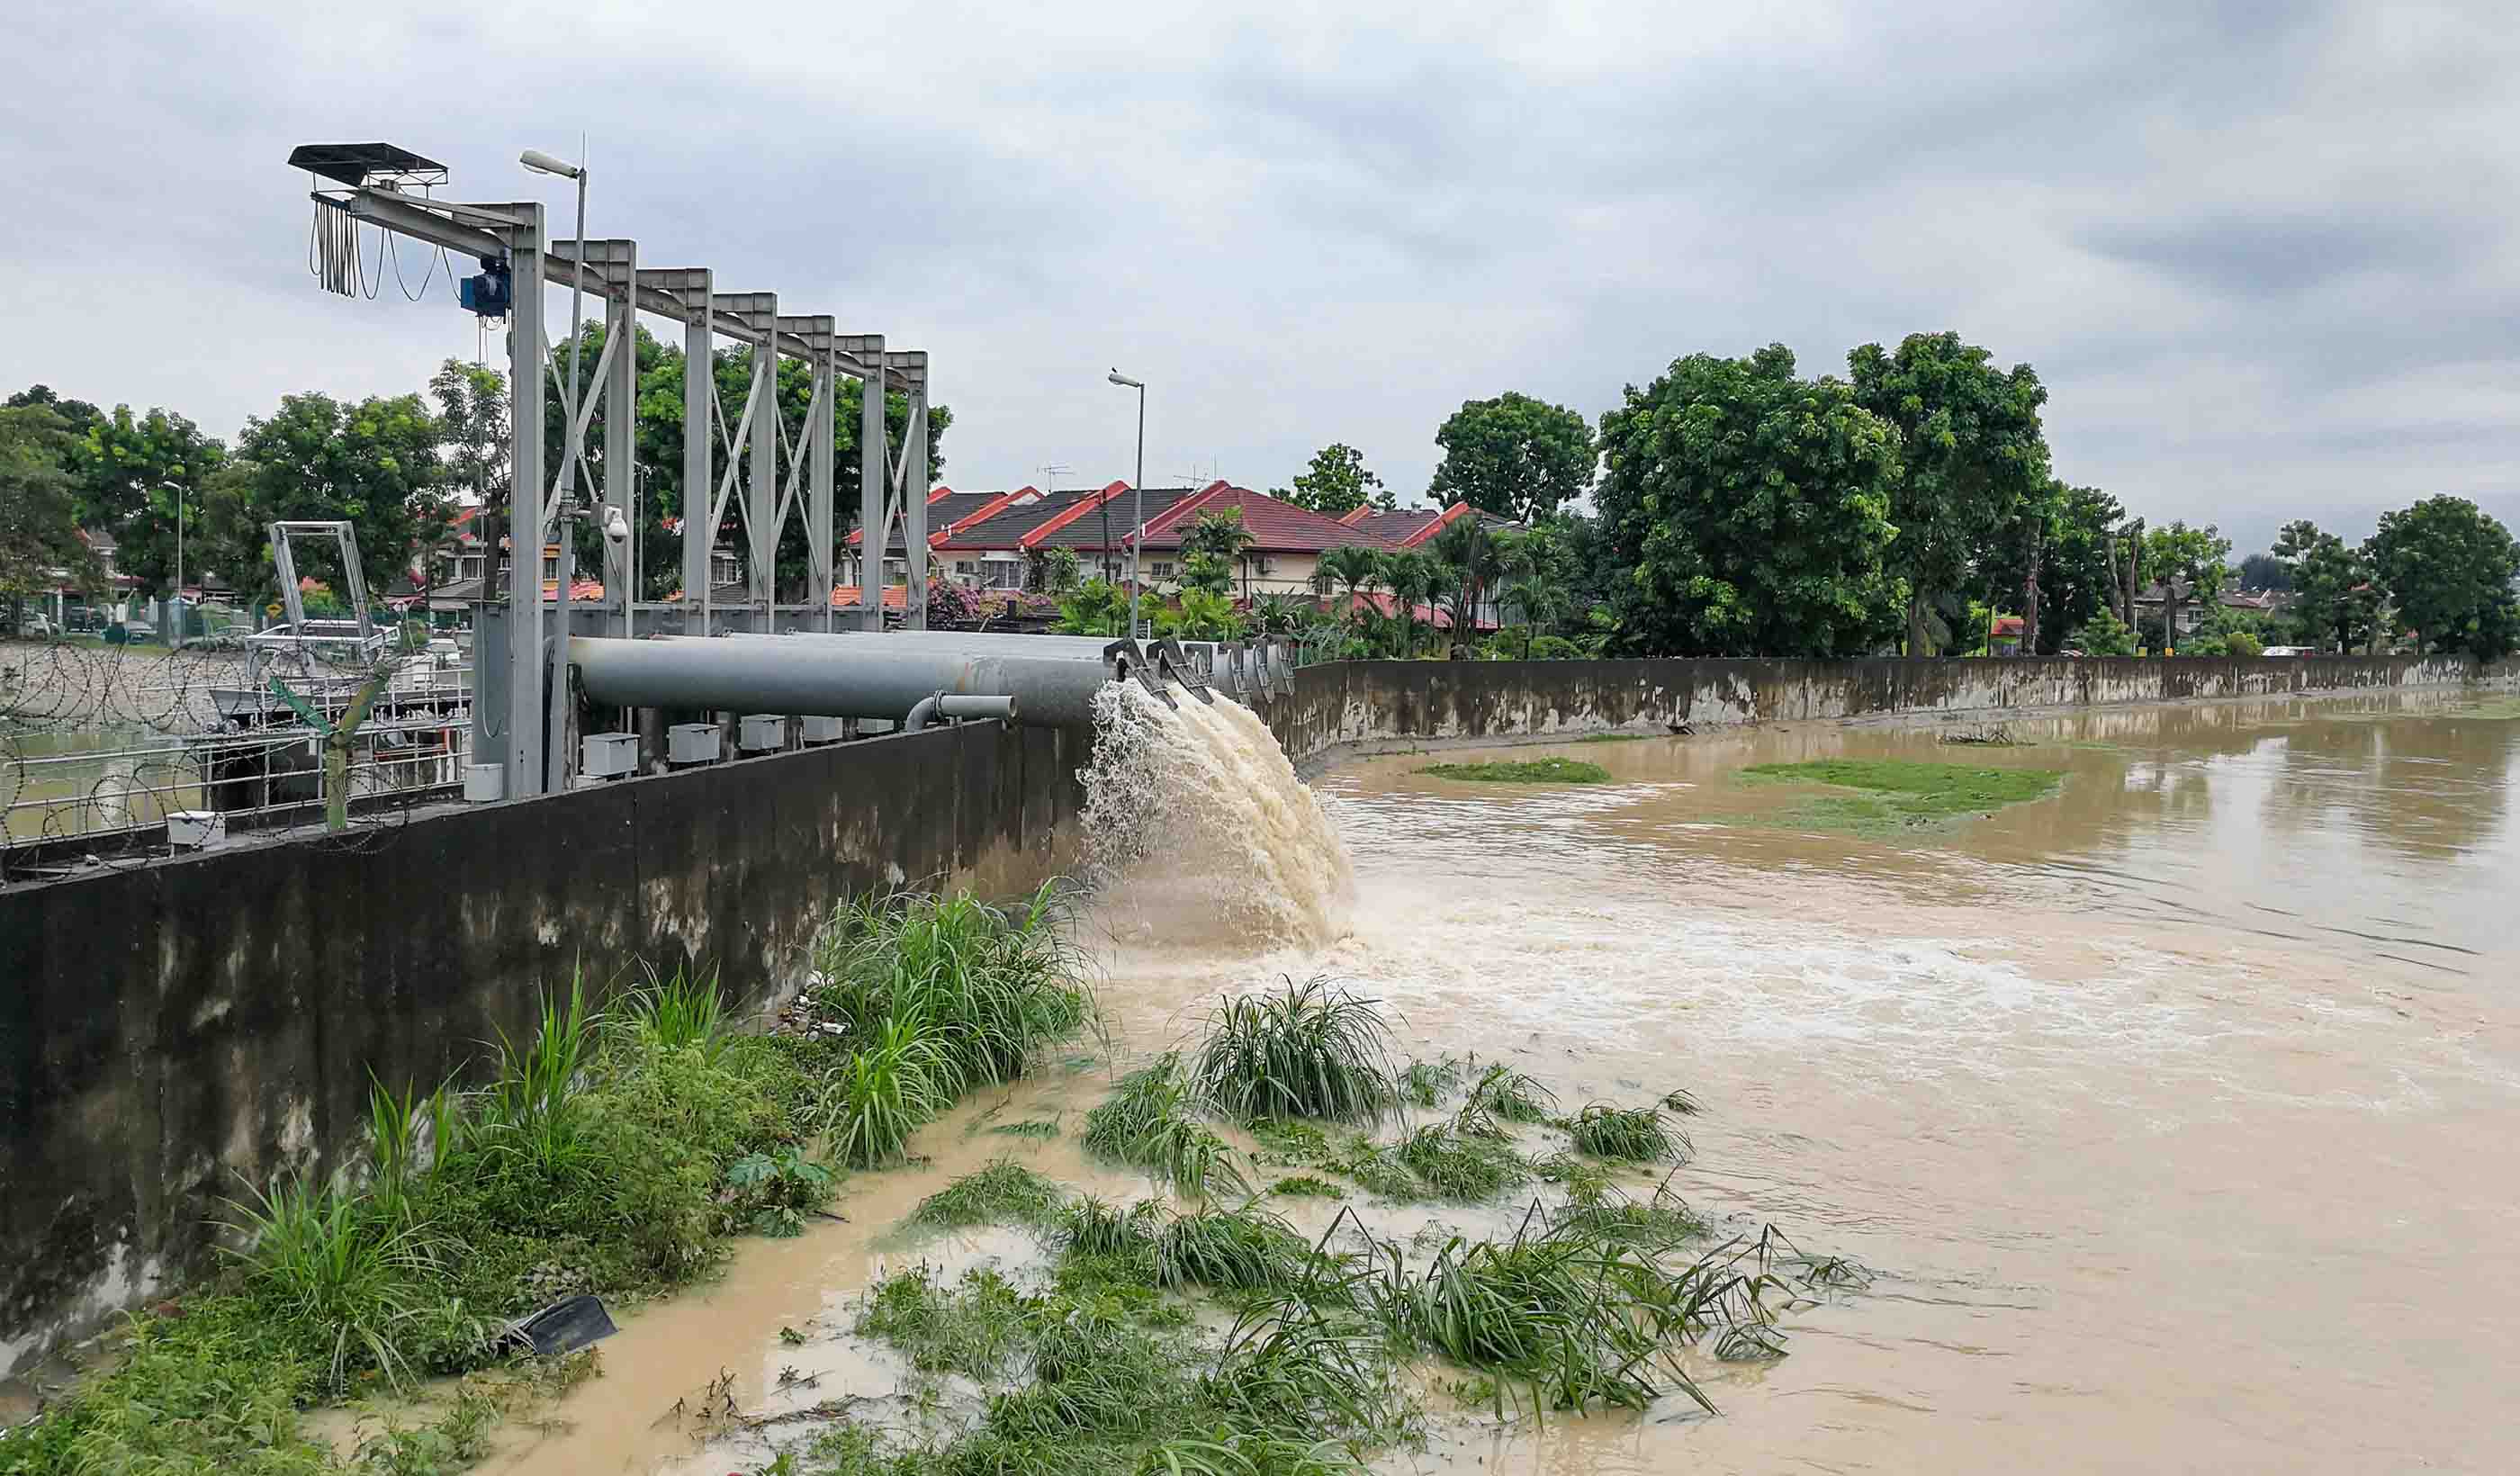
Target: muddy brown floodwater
pixel 2179 1113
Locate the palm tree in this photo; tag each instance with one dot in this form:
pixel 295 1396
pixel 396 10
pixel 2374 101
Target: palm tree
pixel 1354 565
pixel 1532 558
pixel 1412 577
pixel 1472 564
pixel 1223 535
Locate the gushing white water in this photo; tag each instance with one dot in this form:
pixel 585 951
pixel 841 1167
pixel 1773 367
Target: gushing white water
pixel 1192 812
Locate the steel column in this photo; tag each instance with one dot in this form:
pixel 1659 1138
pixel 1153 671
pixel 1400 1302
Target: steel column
pixel 873 465
pixel 914 509
pixel 621 435
pixel 820 521
pixel 761 479
pixel 699 460
pixel 526 667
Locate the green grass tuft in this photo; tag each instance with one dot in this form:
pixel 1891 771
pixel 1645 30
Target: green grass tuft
pixel 1428 1083
pixel 1630 1135
pixel 1535 771
pixel 1003 1194
pixel 1034 1127
pixel 1453 1165
pixel 1512 1095
pixel 1306 1187
pixel 1232 1250
pixel 1311 1050
pixel 1152 1123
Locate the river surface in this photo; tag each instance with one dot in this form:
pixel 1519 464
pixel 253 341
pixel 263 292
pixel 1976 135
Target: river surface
pixel 2180 1114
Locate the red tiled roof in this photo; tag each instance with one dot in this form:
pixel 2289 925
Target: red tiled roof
pixel 895 596
pixel 1276 526
pixel 1410 527
pixel 1355 514
pixel 951 510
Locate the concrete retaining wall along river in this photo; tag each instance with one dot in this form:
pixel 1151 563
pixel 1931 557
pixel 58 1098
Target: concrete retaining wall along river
pixel 174 1030
pixel 1351 704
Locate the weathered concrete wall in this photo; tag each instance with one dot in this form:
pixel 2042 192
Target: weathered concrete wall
pixel 170 1030
pixel 1357 703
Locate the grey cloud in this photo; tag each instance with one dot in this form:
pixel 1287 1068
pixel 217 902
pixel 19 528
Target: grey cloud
pixel 2285 224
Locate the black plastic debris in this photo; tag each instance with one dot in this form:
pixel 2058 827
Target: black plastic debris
pixel 565 1326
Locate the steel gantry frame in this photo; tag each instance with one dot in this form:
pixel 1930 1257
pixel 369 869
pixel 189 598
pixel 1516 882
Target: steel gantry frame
pixel 524 721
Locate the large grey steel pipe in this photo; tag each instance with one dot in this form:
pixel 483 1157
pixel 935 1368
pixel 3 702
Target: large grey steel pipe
pixel 877 678
pixel 1074 648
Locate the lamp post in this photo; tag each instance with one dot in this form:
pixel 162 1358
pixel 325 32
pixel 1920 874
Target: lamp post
pixel 556 762
pixel 179 564
pixel 1138 490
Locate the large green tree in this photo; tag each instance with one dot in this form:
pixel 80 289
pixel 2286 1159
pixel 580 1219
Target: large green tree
pixel 2335 598
pixel 40 546
pixel 1971 453
pixel 375 463
pixel 2449 567
pixel 137 475
pixel 1514 456
pixel 2190 564
pixel 1337 483
pixel 1752 509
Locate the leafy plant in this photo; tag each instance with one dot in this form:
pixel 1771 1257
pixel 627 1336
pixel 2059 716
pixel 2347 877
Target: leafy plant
pixel 678 1012
pixel 1428 1082
pixel 776 1190
pixel 1230 1250
pixel 1311 1050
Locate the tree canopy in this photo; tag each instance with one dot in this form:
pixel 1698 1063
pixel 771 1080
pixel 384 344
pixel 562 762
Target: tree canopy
pixel 1337 483
pixel 1514 456
pixel 40 546
pixel 1752 509
pixel 1971 453
pixel 2450 568
pixel 2335 599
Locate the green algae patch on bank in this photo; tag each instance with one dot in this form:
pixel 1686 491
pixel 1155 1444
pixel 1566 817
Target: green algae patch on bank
pixel 1537 771
pixel 1889 796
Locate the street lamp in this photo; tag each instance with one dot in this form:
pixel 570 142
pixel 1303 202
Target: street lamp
pixel 1139 490
pixel 544 164
pixel 178 638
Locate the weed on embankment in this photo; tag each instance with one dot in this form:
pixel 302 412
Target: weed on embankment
pixel 615 1151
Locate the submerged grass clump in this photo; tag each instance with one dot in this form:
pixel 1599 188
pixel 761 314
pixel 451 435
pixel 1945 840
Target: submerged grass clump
pixel 1532 771
pixel 1152 1123
pixel 1512 1095
pixel 1232 1250
pixel 614 1152
pixel 1428 1083
pixel 1455 1165
pixel 1893 795
pixel 1003 1194
pixel 1630 1134
pixel 1312 1049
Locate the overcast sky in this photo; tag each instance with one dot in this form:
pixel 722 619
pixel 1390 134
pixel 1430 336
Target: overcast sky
pixel 2260 251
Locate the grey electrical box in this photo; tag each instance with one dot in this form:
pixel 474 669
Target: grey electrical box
pixel 761 732
pixel 608 755
pixel 691 743
pixel 824 729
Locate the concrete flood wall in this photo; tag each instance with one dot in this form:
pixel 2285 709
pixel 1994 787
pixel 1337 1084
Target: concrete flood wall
pixel 171 1031
pixel 1348 704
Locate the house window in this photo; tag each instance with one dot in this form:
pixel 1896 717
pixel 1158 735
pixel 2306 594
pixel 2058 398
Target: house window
pixel 1003 574
pixel 1263 566
pixel 1163 569
pixel 966 566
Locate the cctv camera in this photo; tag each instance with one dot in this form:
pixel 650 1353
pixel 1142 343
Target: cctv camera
pixel 616 528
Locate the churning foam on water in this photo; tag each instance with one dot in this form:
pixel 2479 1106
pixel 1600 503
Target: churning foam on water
pixel 1194 817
